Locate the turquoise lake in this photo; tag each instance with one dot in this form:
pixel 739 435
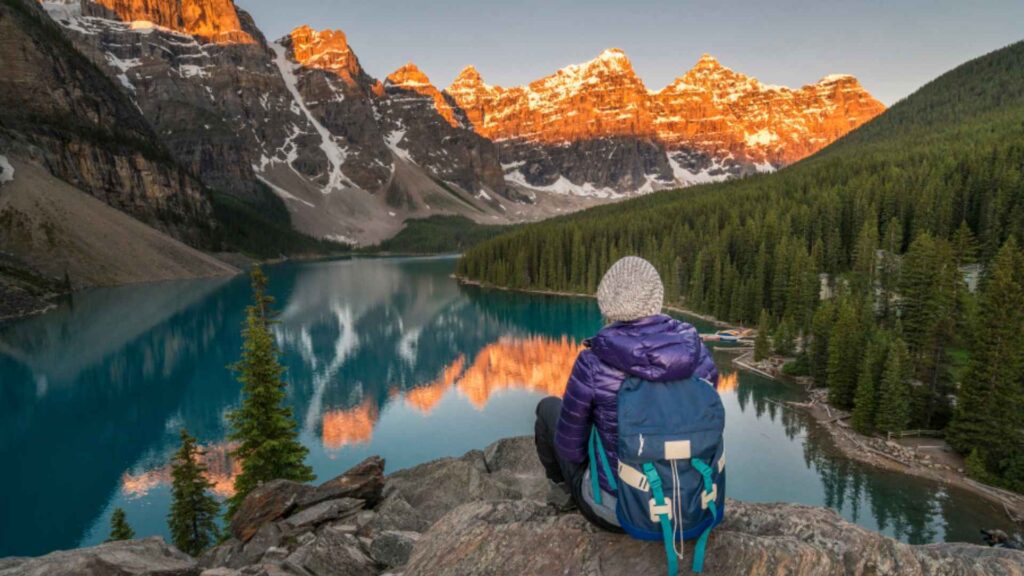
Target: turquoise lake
pixel 383 356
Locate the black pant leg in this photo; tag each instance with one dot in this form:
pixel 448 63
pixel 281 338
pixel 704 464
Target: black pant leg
pixel 558 469
pixel 555 467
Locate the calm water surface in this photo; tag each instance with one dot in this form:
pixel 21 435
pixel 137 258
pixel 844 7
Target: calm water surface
pixel 384 356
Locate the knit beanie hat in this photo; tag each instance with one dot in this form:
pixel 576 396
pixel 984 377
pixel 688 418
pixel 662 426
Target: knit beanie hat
pixel 630 290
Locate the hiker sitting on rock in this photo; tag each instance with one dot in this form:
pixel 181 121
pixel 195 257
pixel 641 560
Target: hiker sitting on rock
pixel 638 345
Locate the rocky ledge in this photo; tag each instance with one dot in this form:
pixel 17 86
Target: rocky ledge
pixel 485 513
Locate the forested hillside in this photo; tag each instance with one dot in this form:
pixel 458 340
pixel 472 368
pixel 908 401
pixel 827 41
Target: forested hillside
pixel 857 258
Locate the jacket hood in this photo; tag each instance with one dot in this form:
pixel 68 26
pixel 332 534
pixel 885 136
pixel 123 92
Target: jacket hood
pixel 656 348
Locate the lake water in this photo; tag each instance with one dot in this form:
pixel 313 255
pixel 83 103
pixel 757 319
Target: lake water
pixel 384 356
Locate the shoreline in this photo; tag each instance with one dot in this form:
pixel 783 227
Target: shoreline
pixel 702 317
pixel 887 454
pixel 851 444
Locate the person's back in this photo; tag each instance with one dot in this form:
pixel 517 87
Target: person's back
pixel 637 342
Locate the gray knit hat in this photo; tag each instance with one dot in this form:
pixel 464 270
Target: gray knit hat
pixel 631 289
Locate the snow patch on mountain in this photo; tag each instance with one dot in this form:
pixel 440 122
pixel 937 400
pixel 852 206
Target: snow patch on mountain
pixel 124 66
pixel 685 177
pixel 334 152
pixel 284 194
pixel 564 186
pixel 393 139
pixel 6 170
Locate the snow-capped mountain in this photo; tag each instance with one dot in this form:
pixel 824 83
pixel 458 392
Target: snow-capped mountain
pixel 353 157
pixel 596 127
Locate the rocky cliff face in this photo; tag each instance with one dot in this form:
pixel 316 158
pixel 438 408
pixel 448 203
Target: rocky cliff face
pixel 60 111
pixel 423 127
pixel 212 20
pixel 709 124
pixel 485 514
pixel 297 118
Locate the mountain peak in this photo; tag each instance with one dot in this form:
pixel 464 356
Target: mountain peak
pixel 329 39
pixel 612 54
pixel 325 50
pixel 469 79
pixel 409 76
pixel 707 60
pixel 469 73
pixel 836 78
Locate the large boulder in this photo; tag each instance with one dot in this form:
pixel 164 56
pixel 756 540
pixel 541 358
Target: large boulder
pixel 513 462
pixel 526 537
pixel 362 485
pixel 145 557
pixel 323 513
pixel 335 552
pixel 436 487
pixel 392 548
pixel 271 501
pixel 364 481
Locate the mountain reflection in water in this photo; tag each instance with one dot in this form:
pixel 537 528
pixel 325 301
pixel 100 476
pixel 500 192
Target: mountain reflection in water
pixel 383 356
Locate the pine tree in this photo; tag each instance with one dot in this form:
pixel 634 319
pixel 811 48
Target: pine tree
pixel 844 355
pixel 119 528
pixel 865 402
pixel 990 400
pixel 263 427
pixel 864 258
pixel 193 516
pixel 762 345
pixel 783 339
pixel 821 329
pixel 894 402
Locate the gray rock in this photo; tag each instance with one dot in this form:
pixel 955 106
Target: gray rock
pixel 525 537
pixel 221 555
pixel 364 481
pixel 333 553
pixel 145 557
pixel 392 548
pixel 322 513
pixel 267 537
pixel 219 572
pixel 275 499
pixel 435 488
pixel 513 462
pixel 275 554
pixel 364 522
pixel 395 513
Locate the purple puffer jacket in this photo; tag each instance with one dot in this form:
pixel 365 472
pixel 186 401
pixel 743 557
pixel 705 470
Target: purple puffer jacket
pixel 656 348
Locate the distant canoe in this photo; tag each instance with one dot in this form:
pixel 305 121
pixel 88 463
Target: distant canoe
pixel 731 335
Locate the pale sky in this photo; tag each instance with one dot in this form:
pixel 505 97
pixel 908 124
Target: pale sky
pixel 892 46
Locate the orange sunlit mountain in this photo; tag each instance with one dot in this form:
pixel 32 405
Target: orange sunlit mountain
pixel 424 398
pixel 221 470
pixel 212 20
pixel 344 427
pixel 536 363
pixel 710 108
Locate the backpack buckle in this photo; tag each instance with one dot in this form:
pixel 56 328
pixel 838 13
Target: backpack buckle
pixel 708 497
pixel 657 511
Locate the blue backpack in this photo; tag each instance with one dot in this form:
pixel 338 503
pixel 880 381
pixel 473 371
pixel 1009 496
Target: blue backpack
pixel 671 478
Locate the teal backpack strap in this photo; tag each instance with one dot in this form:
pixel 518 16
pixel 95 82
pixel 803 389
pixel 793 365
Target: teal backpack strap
pixel 663 518
pixel 596 452
pixel 595 482
pixel 710 493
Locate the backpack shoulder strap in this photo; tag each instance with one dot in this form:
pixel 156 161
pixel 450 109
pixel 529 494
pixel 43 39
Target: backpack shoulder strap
pixel 596 453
